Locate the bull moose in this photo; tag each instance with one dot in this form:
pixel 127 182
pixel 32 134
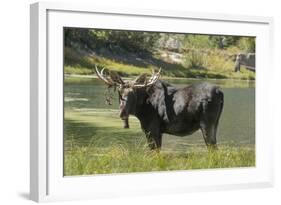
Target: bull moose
pixel 163 108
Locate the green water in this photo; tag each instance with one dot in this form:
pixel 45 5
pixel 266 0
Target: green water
pixel 86 98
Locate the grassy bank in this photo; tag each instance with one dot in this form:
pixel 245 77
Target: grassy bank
pixel 137 158
pixel 94 147
pixel 212 65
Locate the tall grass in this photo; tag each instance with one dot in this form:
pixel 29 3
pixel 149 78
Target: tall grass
pixel 215 63
pixel 77 63
pixel 122 158
pixel 195 60
pixel 212 64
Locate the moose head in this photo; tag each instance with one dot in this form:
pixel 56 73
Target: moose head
pixel 128 91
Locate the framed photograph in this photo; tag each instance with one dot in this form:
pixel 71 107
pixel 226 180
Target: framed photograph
pixel 129 102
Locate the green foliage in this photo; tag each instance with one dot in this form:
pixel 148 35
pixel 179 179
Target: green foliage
pixel 223 41
pixel 133 41
pixel 218 60
pixel 79 38
pixel 76 59
pixel 214 66
pixel 122 158
pixel 247 44
pixel 192 41
pixel 195 60
pixel 117 41
pixel 94 147
pixel 77 63
pixel 213 63
pixel 134 53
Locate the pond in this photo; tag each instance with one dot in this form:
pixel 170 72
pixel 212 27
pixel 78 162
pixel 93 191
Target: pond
pixel 88 117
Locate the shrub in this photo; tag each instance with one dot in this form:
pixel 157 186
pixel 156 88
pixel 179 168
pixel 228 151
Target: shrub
pixel 247 44
pixel 194 60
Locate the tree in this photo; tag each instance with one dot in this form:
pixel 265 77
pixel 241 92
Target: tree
pixel 223 41
pixel 131 41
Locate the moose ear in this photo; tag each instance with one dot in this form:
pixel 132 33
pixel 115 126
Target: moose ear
pixel 140 79
pixel 115 77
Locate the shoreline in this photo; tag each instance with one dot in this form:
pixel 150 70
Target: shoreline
pixel 173 78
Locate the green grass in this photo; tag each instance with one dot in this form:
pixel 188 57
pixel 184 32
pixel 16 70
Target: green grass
pixel 214 65
pixel 92 146
pixel 137 158
pixel 77 63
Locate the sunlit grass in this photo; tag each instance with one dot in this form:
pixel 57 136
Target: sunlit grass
pixel 122 158
pixel 96 143
pixel 214 65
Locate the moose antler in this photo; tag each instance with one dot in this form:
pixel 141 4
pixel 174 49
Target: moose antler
pixel 114 79
pixel 111 80
pixel 151 81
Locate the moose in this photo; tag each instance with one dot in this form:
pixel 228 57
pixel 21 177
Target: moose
pixel 163 108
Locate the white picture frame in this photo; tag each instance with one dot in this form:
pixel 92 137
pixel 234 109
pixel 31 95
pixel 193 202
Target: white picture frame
pixel 46 176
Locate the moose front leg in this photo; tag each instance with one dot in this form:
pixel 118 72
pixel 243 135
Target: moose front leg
pixel 154 140
pixel 126 123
